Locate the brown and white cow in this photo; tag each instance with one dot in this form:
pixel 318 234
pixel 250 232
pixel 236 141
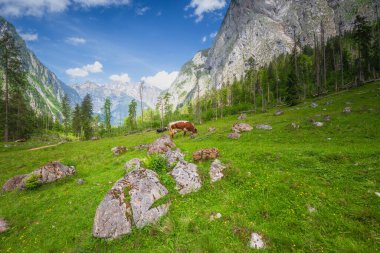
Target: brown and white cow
pixel 182 125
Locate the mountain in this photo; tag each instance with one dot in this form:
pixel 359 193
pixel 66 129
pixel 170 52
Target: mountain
pixel 120 94
pixel 45 91
pixel 264 29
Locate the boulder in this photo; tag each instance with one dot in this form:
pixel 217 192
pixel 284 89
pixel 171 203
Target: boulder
pixel 161 145
pixel 142 147
pixel 278 113
pixel 3 226
pixel 132 165
pixel 119 150
pixel 211 129
pixel 242 116
pixel 264 127
pixel 206 154
pixel 48 173
pixel 21 140
pixel 186 177
pixel 318 124
pixel 174 156
pixel 233 136
pixel 216 170
pixel 241 127
pixel 144 190
pixel 113 217
pixel 257 241
pixel 295 125
pixel 347 110
pixel 314 105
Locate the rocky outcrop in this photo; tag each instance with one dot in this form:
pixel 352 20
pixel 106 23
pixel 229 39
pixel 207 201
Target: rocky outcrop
pixel 216 170
pixel 186 177
pixel 241 127
pixel 206 154
pixel 161 145
pixel 48 173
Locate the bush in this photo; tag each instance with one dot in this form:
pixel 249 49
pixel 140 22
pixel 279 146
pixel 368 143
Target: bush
pixel 157 163
pixel 32 182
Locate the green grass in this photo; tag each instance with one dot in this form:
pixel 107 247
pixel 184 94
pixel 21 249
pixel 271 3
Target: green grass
pixel 271 180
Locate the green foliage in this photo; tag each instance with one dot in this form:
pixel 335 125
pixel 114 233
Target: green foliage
pixel 157 163
pixel 32 182
pixel 66 112
pixel 107 114
pixel 132 114
pixel 86 117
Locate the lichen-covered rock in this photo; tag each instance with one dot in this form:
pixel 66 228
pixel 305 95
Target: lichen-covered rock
pixel 113 216
pixel 257 241
pixel 241 127
pixel 242 116
pixel 132 165
pixel 216 170
pixel 161 145
pixel 48 173
pixel 144 190
pixel 206 154
pixel 264 127
pixel 186 177
pixel 119 150
pixel 174 156
pixel 233 136
pixel 3 226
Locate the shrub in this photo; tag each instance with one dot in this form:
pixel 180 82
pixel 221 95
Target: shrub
pixel 157 163
pixel 32 182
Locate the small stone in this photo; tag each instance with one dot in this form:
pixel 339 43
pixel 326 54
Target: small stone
pixel 311 209
pixel 348 103
pixel 318 124
pixel 327 118
pixel 324 109
pixel 3 226
pixel 278 113
pixel 314 105
pixel 242 116
pixel 211 129
pixel 256 241
pixel 95 138
pixel 295 125
pixel 347 110
pixel 264 127
pixel 80 181
pixel 206 154
pixel 241 127
pixel 329 102
pixel 215 216
pixel 233 136
pixel 216 170
pixel 119 150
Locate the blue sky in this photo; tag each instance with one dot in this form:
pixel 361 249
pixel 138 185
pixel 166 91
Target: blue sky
pixel 116 40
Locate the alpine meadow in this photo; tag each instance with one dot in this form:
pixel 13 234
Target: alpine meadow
pixel 266 140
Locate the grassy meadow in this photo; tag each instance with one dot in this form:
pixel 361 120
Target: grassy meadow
pixel 273 179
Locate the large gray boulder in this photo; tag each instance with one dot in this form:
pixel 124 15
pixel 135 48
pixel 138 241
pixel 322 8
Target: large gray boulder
pixel 186 177
pixel 113 216
pixel 48 173
pixel 144 190
pixel 216 170
pixel 161 145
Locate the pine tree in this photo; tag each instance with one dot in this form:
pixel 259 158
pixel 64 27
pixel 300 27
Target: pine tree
pixel 76 122
pixel 132 114
pixel 292 88
pixel 86 117
pixel 107 114
pixel 66 113
pixel 362 36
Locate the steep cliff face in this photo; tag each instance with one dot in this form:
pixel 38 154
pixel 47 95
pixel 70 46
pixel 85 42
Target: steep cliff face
pixel 184 88
pixel 264 29
pixel 45 90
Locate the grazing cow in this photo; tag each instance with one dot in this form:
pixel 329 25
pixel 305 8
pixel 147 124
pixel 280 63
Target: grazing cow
pixel 161 130
pixel 185 126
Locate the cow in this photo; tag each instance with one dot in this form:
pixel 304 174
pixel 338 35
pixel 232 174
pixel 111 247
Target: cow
pixel 185 126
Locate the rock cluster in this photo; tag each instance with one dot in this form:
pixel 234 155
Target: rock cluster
pixel 186 177
pixel 206 154
pixel 161 145
pixel 216 170
pixel 241 127
pixel 119 150
pixel 48 173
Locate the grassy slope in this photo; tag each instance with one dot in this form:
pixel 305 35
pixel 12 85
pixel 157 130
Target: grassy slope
pixel 273 177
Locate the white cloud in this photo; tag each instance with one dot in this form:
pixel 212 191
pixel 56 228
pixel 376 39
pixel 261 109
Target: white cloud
pixel 205 6
pixel 122 78
pixel 97 67
pixel 29 36
pixel 213 35
pixel 142 10
pixel 76 41
pixel 162 79
pixel 40 7
pixel 204 39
